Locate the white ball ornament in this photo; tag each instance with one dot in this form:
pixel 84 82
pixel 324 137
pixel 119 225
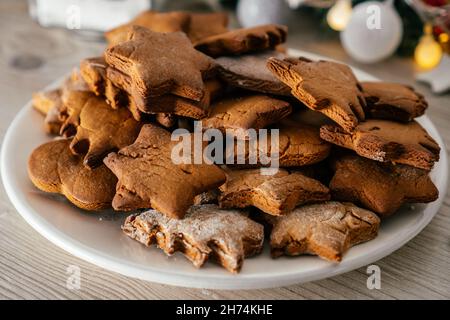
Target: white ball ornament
pixel 373 33
pixel 251 13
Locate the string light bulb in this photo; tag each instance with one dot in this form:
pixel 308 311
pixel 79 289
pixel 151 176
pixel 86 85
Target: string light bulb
pixel 428 52
pixel 339 14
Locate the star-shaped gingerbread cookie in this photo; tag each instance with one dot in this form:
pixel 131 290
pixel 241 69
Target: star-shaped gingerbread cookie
pixel 155 68
pixel 93 71
pixel 298 145
pixel 73 102
pixel 243 40
pixel 326 229
pixel 325 86
pixel 274 194
pixel 387 141
pixel 73 92
pixel 238 114
pixel 49 103
pixel 393 101
pixel 53 168
pixel 225 236
pixel 150 178
pixel 170 103
pixel 101 130
pixel 153 20
pixel 380 187
pixel 250 72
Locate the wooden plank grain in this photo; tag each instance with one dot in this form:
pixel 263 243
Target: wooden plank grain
pixel 33 268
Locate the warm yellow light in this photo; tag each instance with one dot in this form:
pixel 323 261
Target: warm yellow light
pixel 339 14
pixel 443 38
pixel 428 52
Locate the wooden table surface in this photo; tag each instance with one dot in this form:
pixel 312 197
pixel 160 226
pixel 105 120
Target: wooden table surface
pixel 31 267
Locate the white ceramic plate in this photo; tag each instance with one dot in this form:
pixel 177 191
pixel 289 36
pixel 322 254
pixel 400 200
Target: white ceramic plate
pixel 99 239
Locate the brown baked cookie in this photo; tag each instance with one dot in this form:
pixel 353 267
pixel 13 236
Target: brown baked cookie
pixel 44 101
pixel 170 103
pixel 167 120
pixel 250 72
pixel 243 40
pixel 53 168
pixel 73 102
pixel 379 187
pixel 326 229
pixel 383 140
pixel 155 21
pixel 225 236
pixel 274 194
pixel 93 71
pixel 393 101
pixel 49 103
pixel 154 68
pixel 102 130
pixel 73 92
pixel 149 177
pixel 208 197
pixel 118 98
pixel 74 82
pixel 309 117
pixel 325 86
pixel 299 145
pixel 203 25
pixel 237 114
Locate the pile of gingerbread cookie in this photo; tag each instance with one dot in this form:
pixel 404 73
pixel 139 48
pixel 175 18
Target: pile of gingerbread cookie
pixel 350 152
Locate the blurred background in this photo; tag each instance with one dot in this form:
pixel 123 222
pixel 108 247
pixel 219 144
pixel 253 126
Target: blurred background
pixel 397 40
pixel 369 31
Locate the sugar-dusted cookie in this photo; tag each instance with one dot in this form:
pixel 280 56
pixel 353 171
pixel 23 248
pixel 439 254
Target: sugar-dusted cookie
pixel 299 145
pixel 243 40
pixel 326 229
pixel 274 194
pixel 203 25
pixel 150 178
pixel 49 103
pixel 153 20
pixel 101 130
pixel 53 168
pixel 393 101
pixel 170 103
pixel 380 187
pixel 324 86
pixel 237 114
pixel 383 140
pixel 154 68
pixel 250 72
pixel 225 236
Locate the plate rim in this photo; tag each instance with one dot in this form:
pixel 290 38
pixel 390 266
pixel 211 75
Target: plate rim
pixel 228 281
